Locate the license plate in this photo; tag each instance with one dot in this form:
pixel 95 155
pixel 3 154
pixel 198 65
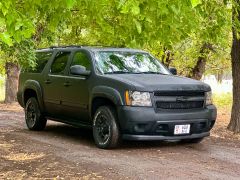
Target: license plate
pixel 182 129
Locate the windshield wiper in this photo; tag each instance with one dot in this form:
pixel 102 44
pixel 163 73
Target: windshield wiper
pixel 118 72
pixel 128 72
pixel 152 72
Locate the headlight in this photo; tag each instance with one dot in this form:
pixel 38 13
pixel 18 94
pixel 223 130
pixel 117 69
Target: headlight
pixel 208 98
pixel 136 98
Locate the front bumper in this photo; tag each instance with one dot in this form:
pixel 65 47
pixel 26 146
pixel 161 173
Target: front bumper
pixel 159 137
pixel 142 123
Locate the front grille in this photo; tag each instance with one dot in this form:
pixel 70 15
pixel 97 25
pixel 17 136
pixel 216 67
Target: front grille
pixel 179 99
pixel 180 105
pixel 179 93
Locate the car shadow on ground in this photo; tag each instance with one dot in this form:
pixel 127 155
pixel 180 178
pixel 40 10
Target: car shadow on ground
pixel 70 133
pixel 84 136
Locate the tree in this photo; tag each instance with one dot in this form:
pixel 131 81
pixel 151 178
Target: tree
pixel 199 69
pixel 12 57
pixel 234 124
pixel 21 26
pixel 211 35
pixel 159 26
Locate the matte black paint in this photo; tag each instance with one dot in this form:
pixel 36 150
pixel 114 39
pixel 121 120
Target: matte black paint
pixel 68 98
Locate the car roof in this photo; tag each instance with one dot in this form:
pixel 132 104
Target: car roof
pixel 90 48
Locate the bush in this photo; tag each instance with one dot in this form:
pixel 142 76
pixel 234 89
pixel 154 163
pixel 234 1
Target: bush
pixel 223 100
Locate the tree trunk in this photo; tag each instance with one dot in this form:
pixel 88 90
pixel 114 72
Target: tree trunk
pixel 12 72
pixel 167 58
pixel 220 76
pixel 199 68
pixel 234 124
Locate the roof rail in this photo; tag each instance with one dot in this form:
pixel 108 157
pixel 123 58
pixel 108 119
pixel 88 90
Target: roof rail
pixel 85 45
pixel 80 46
pixel 76 46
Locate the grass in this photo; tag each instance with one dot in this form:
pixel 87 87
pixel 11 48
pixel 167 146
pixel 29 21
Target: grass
pixel 2 89
pixel 2 94
pixel 223 100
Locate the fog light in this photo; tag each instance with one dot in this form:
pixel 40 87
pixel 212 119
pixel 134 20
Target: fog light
pixel 140 128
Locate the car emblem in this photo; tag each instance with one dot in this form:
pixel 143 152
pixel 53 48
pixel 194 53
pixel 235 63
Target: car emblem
pixel 182 99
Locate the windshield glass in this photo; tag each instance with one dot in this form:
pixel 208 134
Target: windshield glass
pixel 109 62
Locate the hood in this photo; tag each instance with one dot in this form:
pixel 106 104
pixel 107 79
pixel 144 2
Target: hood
pixel 158 82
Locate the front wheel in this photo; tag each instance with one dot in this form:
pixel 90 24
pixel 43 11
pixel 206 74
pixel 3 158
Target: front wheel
pixel 105 128
pixel 33 116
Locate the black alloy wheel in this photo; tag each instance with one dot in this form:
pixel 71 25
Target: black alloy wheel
pixel 33 116
pixel 105 128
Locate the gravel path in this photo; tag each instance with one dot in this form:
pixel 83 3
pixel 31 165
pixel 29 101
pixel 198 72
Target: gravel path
pixel 65 152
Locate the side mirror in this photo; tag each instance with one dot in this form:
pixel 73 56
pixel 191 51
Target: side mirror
pixel 173 70
pixel 79 70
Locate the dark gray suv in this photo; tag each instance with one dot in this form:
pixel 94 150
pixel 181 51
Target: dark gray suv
pixel 120 93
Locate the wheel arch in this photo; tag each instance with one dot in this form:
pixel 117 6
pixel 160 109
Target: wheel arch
pixel 103 95
pixel 32 88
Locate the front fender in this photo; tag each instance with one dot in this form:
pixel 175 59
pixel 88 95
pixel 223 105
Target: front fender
pixel 35 86
pixel 107 92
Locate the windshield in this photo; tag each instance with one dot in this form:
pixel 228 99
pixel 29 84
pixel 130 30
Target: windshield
pixel 110 62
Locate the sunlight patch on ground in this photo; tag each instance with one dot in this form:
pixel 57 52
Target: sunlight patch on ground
pixel 92 176
pixel 5 146
pixel 17 174
pixel 23 156
pixel 14 107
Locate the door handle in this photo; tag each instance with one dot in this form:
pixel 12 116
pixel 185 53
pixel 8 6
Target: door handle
pixel 48 81
pixel 66 84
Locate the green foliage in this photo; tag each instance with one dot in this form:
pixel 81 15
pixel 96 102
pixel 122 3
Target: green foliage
pixel 214 27
pixel 180 27
pixel 23 24
pixel 18 19
pixel 20 53
pixel 15 24
pixel 6 38
pixel 235 17
pixel 223 100
pixel 160 26
pixel 195 3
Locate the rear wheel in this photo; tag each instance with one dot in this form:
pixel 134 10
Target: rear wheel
pixel 105 128
pixel 33 116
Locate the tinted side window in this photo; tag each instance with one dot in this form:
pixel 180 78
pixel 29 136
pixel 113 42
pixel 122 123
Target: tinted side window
pixel 81 58
pixel 60 62
pixel 41 61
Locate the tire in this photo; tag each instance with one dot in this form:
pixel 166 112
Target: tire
pixel 192 141
pixel 105 128
pixel 34 119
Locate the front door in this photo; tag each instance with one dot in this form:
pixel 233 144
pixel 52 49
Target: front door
pixel 76 90
pixel 54 83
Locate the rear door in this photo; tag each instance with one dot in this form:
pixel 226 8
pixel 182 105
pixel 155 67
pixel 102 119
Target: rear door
pixel 54 83
pixel 75 97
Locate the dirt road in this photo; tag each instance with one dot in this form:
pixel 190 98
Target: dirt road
pixel 65 152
